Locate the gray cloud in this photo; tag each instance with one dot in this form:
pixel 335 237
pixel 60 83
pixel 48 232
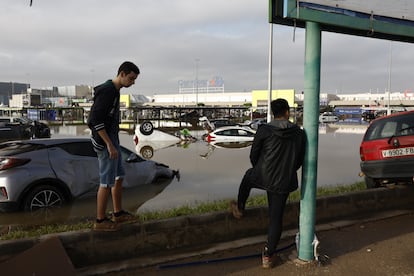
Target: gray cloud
pixel 57 43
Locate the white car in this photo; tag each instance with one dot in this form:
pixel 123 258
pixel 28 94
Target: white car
pixel 147 139
pixel 147 132
pixel 231 133
pixel 328 117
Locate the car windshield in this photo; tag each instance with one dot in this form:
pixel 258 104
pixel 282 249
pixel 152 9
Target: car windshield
pixel 393 126
pixel 83 148
pixel 234 132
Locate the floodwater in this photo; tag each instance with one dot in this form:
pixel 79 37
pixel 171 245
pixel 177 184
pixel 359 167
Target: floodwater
pixel 211 172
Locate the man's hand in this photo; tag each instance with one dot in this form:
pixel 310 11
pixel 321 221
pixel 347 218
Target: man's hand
pixel 113 152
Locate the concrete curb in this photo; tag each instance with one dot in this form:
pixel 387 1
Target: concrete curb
pixel 151 260
pixel 87 248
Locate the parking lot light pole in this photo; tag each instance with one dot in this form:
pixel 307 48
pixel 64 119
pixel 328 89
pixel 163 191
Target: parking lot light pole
pixel 196 80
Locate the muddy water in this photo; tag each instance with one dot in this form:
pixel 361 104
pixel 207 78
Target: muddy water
pixel 209 172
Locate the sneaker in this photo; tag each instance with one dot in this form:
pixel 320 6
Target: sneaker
pixel 268 261
pixel 235 210
pixel 106 225
pixel 123 217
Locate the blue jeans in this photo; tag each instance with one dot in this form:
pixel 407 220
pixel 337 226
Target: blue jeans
pixel 109 169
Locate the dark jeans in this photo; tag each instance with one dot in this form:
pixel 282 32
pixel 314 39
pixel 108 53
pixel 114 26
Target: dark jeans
pixel 244 190
pixel 276 203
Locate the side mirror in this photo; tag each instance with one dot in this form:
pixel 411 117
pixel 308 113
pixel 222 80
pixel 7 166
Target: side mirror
pixel 133 158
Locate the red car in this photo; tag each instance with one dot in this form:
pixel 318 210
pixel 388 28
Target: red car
pixel 387 150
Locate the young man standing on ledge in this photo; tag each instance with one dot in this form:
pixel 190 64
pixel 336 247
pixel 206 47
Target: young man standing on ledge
pixel 104 123
pixel 277 153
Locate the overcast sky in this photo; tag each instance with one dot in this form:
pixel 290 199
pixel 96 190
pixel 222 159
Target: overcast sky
pixel 57 43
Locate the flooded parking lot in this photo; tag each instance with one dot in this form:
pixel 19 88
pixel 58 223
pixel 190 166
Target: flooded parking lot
pixel 211 172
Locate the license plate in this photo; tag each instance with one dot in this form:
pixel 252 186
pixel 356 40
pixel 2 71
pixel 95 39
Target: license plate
pixel 398 152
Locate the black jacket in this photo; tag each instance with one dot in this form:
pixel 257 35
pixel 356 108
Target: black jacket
pixel 277 153
pixel 104 113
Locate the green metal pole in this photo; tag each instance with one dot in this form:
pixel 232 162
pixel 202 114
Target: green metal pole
pixel 311 125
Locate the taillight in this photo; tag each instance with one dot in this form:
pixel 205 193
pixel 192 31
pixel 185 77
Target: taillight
pixel 136 140
pixel 3 193
pixel 11 162
pixel 361 154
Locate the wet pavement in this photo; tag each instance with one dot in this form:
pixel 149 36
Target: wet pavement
pixel 379 245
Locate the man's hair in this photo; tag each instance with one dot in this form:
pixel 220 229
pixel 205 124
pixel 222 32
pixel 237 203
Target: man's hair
pixel 128 67
pixel 279 107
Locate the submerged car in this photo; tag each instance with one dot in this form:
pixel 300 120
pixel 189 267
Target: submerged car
pixel 148 140
pixel 387 150
pixel 13 128
pixel 231 133
pixel 43 173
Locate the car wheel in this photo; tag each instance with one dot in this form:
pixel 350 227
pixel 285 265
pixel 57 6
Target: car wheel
pixel 43 197
pixel 147 152
pixel 371 183
pixel 146 128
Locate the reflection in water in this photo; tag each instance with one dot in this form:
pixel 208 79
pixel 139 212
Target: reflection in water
pixel 212 173
pixel 146 149
pixel 225 145
pixel 81 209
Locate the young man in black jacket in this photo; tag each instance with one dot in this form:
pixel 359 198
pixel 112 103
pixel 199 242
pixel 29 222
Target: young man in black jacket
pixel 104 122
pixel 277 153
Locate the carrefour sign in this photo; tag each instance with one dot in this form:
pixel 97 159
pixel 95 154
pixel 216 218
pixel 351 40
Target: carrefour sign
pixel 213 82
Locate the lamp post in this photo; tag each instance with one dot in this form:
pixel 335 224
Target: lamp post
pixel 196 79
pixel 389 79
pixel 269 115
pixel 93 81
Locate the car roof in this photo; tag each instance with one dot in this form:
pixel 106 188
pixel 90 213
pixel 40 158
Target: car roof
pixel 233 127
pixel 393 115
pixel 50 141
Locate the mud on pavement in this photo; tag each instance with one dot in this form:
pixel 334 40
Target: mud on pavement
pixel 380 245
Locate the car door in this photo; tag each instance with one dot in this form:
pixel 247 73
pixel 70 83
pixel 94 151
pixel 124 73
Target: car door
pixel 76 164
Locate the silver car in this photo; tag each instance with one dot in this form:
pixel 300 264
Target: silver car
pixel 42 173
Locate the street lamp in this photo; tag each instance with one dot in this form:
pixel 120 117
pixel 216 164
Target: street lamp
pixel 389 79
pixel 196 79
